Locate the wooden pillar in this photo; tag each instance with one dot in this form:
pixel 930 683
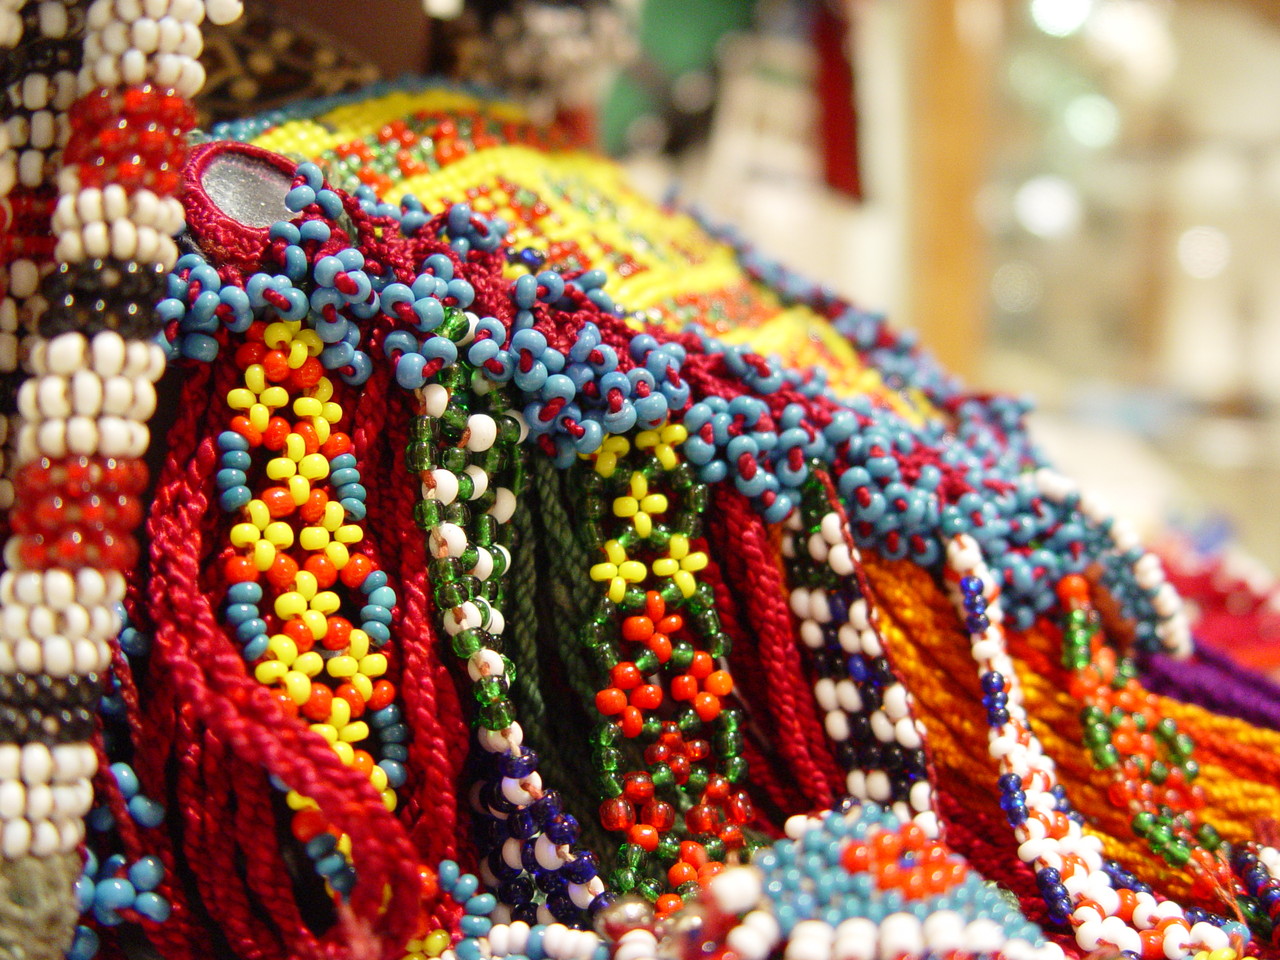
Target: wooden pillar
pixel 950 46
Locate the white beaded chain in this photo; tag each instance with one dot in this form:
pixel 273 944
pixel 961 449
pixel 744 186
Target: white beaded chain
pixel 894 720
pixel 1018 751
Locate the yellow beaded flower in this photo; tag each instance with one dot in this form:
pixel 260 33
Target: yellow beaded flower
pixel 664 441
pixel 641 505
pixel 681 565
pixel 611 451
pixel 618 570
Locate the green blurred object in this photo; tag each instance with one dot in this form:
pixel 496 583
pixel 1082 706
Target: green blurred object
pixel 676 37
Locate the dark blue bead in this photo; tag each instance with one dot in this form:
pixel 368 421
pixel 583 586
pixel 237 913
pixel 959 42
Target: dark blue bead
pixel 562 908
pixel 522 824
pixel 562 829
pixel 344 880
pixel 550 882
pixel 547 806
pixel 582 868
pixel 321 845
pixel 992 682
pixel 516 767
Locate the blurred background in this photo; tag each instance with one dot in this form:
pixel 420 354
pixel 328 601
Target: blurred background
pixel 1072 199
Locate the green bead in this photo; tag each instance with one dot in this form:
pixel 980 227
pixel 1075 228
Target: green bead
pixel 1177 853
pixel 454 459
pixel 1159 836
pixel 489 689
pixel 420 455
pixel 719 644
pixel 688 720
pixel 630 855
pixel 735 768
pixel 466 486
pixel 497 715
pixel 609 785
pixel 622 880
pixel 1208 837
pixel 469 558
pixel 1078 618
pixel 455 324
pixel 1191 769
pixel 681 654
pixel 689 891
pixel 609 759
pixel 456 512
pixel 491 460
pixel 662 775
pixel 422 428
pixel 1158 773
pixel 444 570
pixel 715 848
pixel 1166 729
pixel 426 514
pixel 1142 823
pixel 647 662
pixel 604 734
pixel 467 642
pixel 1105 756
pixel 1183 745
pixel 450 595
pixel 730 719
pixel 697 781
pixel 668 848
pixel 650 889
pixel 652 727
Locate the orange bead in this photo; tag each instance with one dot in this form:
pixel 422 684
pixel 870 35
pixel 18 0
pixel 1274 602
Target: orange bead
pixel 681 872
pixel 322 568
pixel 277 432
pixel 240 570
pixel 310 441
pixel 719 682
pixel 276 365
pixel 1073 590
pixel 384 694
pixel 279 502
pixel 242 426
pixel 707 706
pixel 313 510
pixel 336 445
pixel 286 702
pixel 625 676
pixel 362 761
pixel 637 629
pixel 647 697
pixel 709 870
pixel 693 852
pixel 282 572
pixel 300 634
pixel 319 705
pixel 667 903
pixel 358 567
pixel 308 824
pixel 632 722
pixel 611 701
pixel 684 687
pixel 702 664
pixel 338 636
pixel 349 693
pixel 660 644
pixel 644 836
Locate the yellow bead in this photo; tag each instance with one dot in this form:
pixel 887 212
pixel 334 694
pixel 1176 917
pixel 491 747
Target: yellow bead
pixel 316 623
pixel 241 398
pixel 296 801
pixel 295 448
pixel 685 581
pixel 339 713
pixel 332 412
pixel 311 340
pixel 283 649
pixel 348 533
pixel 437 942
pixel 298 686
pixel 1225 953
pixel 373 665
pixel 281 468
pixel 297 354
pixel 276 335
pixel 632 571
pixel 378 777
pixel 269 671
pixel 290 605
pixel 259 515
pixel 314 466
pixel 358 645
pixel 313 538
pixel 264 555
pixel 326 601
pixel 344 844
pixel 255 377
pixel 344 751
pixel 274 397
pixel 326 731
pixel 243 534
pixel 299 490
pixel 322 428
pixel 354 732
pixel 333 516
pixel 259 417
pixel 363 685
pixel 309 663
pixel 280 534
pixel 389 800
pixel 323 389
pixel 665 567
pixel 338 554
pixel 307 407
pixel 343 666
pixel 306 584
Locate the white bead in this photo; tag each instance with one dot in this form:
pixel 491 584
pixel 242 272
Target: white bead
pixel 811 634
pixel 448 540
pixel 737 889
pixel 881 727
pixel 504 504
pixel 545 852
pixel 831 528
pixel 870 643
pixel 855 940
pixel 1209 937
pixel 907 732
pixel 850 642
pixel 837 726
pixel 848 696
pixel 482 432
pixel 86 390
pixel 879 788
pixel 37 763
pixel 1176 940
pixel 840 559
pixel 15 840
pixel 963 553
pixel 479 480
pixel 13 799
pixel 10 761
pixel 824 691
pixel 817 548
pixel 894 702
pixel 901 934
pixel 222 12
pixel 819 606
pixel 442 486
pixel 522 792
pixel 485 663
pixel 920 796
pixel 743 941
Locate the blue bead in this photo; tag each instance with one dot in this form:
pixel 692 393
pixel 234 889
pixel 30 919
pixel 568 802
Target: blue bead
pixel 465 888
pixel 229 501
pixel 328 865
pixel 481 905
pixel 146 812
pixel 374 580
pixel 474 927
pixel 126 779
pixel 468 949
pixel 114 893
pixel 153 906
pixel 85 945
pixel 256 647
pixel 147 873
pixel 395 771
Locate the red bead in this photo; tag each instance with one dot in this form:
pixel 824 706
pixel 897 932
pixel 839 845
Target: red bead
pixel 656 753
pixel 680 767
pixel 637 629
pixel 681 872
pixel 240 570
pixel 282 572
pixel 637 787
pixel 643 836
pixel 617 814
pixel 277 432
pixel 611 701
pixel 308 824
pixel 684 687
pixel 658 814
pixel 693 852
pixel 731 836
pixel 319 705
pixel 719 682
pixel 349 693
pixel 647 697
pixel 338 635
pixel 717 788
pixel 702 664
pixel 707 706
pixel 358 566
pixel 279 501
pixel 384 694
pixel 625 676
pixel 336 445
pixel 322 568
pixel 632 722
pixel 702 818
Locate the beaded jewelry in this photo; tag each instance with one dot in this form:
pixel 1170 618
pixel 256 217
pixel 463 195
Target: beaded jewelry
pixel 693 590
